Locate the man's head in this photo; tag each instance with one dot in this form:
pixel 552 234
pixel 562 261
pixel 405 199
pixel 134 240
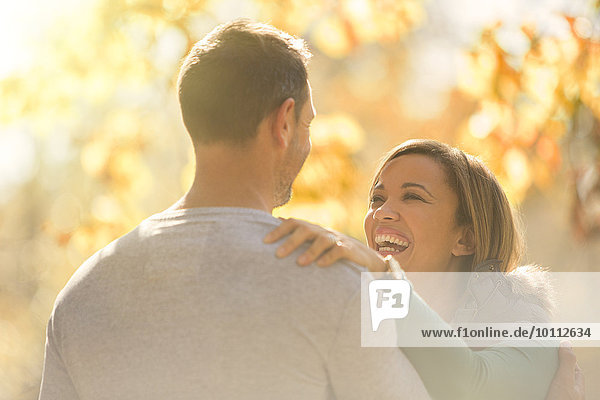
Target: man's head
pixel 247 105
pixel 236 76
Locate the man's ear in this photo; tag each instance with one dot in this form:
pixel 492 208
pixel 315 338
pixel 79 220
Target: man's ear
pixel 465 244
pixel 283 122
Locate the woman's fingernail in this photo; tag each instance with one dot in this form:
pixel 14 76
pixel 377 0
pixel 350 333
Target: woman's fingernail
pixel 566 344
pixel 302 259
pixel 280 252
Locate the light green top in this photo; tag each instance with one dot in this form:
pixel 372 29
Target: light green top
pixel 490 373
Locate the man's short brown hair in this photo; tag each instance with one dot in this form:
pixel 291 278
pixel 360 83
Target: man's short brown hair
pixel 238 74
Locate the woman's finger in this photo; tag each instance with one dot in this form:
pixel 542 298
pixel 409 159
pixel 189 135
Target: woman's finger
pixel 579 383
pixel 300 235
pixel 320 245
pixel 285 228
pixel 332 255
pixel 568 382
pixel 567 358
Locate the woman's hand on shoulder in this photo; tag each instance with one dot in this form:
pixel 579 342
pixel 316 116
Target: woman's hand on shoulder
pixel 568 382
pixel 327 246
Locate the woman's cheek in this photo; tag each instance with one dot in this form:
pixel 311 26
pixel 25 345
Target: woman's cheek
pixel 368 228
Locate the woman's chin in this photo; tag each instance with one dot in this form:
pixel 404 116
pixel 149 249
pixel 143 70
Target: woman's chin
pixel 400 256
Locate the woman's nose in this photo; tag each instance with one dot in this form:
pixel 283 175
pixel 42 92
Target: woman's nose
pixel 385 213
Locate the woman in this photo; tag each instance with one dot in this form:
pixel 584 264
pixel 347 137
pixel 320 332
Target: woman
pixel 435 208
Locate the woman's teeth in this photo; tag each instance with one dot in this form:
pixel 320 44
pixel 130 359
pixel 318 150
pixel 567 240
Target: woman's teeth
pixel 390 249
pixel 383 240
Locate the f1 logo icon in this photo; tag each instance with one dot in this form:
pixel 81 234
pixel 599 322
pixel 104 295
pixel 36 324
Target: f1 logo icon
pixel 389 299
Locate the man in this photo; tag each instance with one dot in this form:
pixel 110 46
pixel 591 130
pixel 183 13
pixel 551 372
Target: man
pixel 192 303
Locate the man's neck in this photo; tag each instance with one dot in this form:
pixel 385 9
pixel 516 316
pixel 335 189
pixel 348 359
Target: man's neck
pixel 201 195
pixel 229 178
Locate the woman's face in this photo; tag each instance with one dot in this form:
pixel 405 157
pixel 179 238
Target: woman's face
pixel 412 216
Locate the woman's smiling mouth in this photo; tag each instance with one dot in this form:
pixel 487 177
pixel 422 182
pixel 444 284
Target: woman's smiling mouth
pixel 389 241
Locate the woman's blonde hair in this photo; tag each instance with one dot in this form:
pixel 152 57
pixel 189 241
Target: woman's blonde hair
pixel 482 203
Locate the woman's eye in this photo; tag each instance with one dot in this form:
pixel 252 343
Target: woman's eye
pixel 413 196
pixel 377 199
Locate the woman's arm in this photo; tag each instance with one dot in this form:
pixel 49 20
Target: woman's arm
pixel 449 372
pixel 460 372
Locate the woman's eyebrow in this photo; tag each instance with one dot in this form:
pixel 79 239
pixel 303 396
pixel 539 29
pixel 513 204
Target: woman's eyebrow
pixel 412 184
pixel 378 186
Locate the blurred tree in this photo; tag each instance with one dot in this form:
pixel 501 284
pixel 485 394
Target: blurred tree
pixel 529 104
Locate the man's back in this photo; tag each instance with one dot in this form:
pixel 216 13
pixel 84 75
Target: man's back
pixel 192 304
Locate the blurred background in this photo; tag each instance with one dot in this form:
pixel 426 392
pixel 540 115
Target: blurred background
pixel 91 141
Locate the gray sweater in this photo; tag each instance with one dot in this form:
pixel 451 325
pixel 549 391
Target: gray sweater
pixel 192 304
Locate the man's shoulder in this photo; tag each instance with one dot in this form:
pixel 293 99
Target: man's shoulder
pixel 231 239
pixel 341 280
pixel 95 265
